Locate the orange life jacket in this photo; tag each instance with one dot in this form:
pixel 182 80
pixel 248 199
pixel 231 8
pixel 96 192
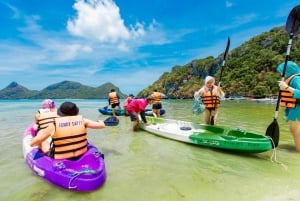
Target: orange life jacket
pixel 113 97
pixel 287 99
pixel 45 117
pixel 69 139
pixel 210 99
pixel 157 96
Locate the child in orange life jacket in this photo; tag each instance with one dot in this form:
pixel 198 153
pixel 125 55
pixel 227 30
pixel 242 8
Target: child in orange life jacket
pixel 211 95
pixel 47 106
pixel 114 101
pixel 68 128
pixel 290 98
pixel 157 105
pixel 43 118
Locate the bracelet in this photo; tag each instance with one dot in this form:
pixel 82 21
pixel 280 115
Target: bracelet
pixel 287 87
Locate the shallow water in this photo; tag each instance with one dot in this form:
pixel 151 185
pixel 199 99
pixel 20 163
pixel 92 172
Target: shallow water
pixel 142 166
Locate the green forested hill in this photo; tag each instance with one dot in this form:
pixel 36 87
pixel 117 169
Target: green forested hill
pixel 249 71
pixel 62 90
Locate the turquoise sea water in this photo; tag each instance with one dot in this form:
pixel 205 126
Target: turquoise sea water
pixel 141 166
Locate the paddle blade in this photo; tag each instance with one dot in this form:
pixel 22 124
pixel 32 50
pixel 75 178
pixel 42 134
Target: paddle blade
pixel 273 132
pixel 111 121
pixel 293 20
pixel 227 49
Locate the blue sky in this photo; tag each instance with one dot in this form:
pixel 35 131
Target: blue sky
pixel 129 43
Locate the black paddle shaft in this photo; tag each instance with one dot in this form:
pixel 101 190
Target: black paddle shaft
pixel 292 27
pixel 224 58
pixel 212 116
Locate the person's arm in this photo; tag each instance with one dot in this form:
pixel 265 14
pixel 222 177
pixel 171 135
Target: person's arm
pixel 36 117
pixel 221 93
pixel 284 86
pixel 163 95
pixel 42 135
pixel 94 124
pixel 143 116
pixel 198 93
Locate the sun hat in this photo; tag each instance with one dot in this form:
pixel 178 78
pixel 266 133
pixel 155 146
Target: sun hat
pixel 68 109
pixel 48 103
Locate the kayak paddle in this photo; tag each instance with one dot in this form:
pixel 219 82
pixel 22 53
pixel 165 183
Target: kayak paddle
pixel 212 117
pixel 292 26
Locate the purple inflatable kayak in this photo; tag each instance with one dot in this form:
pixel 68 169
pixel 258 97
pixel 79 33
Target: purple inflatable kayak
pixel 87 173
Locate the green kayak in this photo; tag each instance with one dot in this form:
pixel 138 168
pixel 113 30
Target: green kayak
pixel 207 135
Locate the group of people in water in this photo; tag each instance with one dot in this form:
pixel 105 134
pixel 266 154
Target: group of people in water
pixel 136 108
pixel 114 101
pixel 62 132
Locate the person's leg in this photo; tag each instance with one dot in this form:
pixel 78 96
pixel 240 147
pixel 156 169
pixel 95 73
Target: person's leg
pixel 125 112
pixel 158 107
pixel 295 130
pixel 113 109
pixel 135 120
pixel 135 125
pixel 154 112
pixel 206 116
pixel 216 116
pixel 45 145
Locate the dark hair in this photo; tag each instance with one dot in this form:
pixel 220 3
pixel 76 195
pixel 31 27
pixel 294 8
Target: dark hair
pixel 68 109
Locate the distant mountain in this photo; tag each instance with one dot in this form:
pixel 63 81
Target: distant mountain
pixel 16 91
pixel 62 90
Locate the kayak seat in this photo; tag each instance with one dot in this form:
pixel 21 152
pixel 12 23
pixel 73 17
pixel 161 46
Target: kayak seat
pixel 185 128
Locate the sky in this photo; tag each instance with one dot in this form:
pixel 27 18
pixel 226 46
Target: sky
pixel 129 43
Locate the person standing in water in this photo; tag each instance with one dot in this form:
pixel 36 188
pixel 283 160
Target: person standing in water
pixel 157 105
pixel 211 96
pixel 114 101
pixel 290 98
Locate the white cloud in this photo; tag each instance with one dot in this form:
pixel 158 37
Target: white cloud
pixel 100 20
pixel 237 22
pixel 240 20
